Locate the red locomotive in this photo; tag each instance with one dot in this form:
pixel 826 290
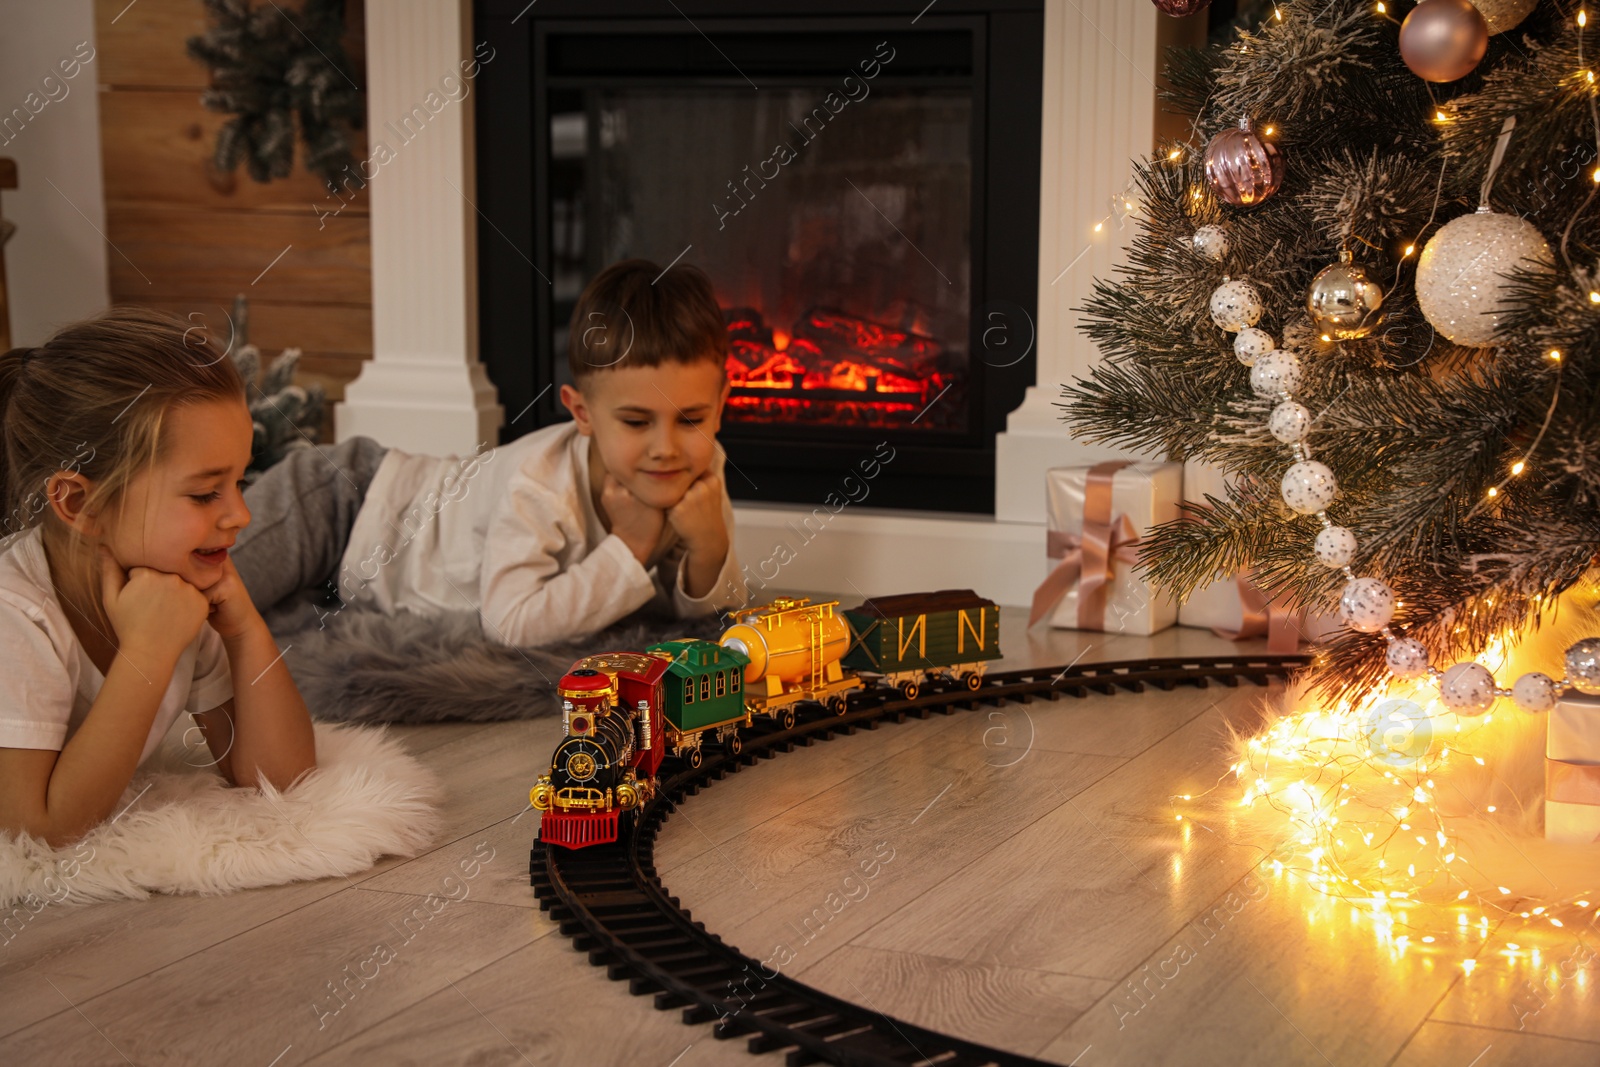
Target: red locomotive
pixel 624 712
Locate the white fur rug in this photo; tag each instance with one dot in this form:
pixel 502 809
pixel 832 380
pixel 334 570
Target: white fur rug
pixel 183 830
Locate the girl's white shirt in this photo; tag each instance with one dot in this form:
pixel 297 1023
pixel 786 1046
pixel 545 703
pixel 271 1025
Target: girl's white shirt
pixel 48 682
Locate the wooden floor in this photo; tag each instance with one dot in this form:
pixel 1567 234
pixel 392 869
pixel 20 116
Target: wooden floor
pixel 1012 875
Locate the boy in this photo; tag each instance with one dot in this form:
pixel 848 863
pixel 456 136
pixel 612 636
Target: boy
pixel 559 533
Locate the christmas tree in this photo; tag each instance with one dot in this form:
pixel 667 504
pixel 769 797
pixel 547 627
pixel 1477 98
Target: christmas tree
pixel 1423 416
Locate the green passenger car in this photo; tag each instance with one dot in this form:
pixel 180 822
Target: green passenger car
pixel 933 633
pixel 704 686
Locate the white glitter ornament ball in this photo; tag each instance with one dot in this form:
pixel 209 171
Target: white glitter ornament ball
pixel 1309 487
pixel 1467 689
pixel 1407 658
pixel 1289 422
pixel 1462 276
pixel 1503 15
pixel 1252 344
pixel 1335 547
pixel 1235 304
pixel 1366 605
pixel 1534 692
pixel 1583 665
pixel 1275 374
pixel 1211 241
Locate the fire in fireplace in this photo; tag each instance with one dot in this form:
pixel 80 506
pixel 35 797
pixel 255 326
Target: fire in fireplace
pixel 837 369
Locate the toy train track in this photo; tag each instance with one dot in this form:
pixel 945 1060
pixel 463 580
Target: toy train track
pixel 611 901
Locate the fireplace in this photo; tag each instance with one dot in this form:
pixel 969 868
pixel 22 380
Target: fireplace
pixel 860 181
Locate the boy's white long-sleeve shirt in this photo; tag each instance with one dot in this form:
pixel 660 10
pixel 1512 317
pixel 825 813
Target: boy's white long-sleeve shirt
pixel 512 533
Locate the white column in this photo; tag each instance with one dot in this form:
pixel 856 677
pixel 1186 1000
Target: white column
pixel 1101 66
pixel 424 390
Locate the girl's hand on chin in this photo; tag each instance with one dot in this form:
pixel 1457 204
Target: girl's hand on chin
pixel 150 609
pixel 232 612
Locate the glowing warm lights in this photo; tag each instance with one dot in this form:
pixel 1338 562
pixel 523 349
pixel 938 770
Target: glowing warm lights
pixel 1516 468
pixel 1594 297
pixel 1381 8
pixel 1176 152
pixel 1555 355
pixel 1410 249
pixel 1493 491
pixel 1583 17
pixel 1358 796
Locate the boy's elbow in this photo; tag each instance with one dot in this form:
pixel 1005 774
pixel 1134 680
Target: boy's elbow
pixel 498 628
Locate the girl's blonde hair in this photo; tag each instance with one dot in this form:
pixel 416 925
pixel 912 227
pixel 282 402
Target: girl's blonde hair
pixel 93 399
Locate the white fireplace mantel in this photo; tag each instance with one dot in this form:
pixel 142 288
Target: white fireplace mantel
pixel 425 390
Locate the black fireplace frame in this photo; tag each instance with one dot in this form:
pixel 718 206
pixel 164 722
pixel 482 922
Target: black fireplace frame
pixel 936 472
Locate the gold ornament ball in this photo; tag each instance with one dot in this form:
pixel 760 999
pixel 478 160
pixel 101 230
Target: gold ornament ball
pixel 1464 273
pixel 1442 40
pixel 1503 15
pixel 1344 302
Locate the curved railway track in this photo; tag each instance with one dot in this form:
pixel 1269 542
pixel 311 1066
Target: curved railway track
pixel 611 901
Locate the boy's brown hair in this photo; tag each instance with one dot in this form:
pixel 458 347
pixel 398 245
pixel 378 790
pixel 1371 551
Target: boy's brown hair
pixel 635 315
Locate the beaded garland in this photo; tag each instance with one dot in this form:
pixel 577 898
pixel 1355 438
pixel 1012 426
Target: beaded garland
pixel 1367 604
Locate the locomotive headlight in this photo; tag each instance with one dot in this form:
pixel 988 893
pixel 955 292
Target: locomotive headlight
pixel 580 724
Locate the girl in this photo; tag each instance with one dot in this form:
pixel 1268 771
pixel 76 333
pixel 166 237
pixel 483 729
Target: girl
pixel 123 446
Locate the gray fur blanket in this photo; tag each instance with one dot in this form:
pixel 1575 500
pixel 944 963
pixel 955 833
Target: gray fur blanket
pixel 368 667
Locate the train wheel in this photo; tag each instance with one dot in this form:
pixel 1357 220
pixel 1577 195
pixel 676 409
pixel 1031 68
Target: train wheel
pixel 693 758
pixel 786 718
pixel 909 690
pixel 734 743
pixel 974 681
pixel 837 705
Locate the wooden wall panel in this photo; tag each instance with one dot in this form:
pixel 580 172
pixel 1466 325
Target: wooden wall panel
pixel 188 239
pixel 182 254
pixel 142 43
pixel 333 330
pixel 163 143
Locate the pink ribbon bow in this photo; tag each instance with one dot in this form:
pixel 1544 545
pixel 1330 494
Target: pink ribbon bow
pixel 1087 559
pixel 1572 783
pixel 1281 626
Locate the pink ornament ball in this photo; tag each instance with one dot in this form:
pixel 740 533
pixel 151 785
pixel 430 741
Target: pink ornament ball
pixel 1442 40
pixel 1241 168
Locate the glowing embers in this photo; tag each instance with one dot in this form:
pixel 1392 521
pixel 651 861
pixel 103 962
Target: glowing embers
pixel 840 369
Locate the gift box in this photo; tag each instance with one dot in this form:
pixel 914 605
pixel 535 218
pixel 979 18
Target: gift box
pixel 1097 518
pixel 1572 770
pixel 1234 607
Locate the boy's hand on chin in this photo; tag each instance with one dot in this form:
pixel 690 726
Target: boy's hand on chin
pixel 697 518
pixel 232 611
pixel 637 523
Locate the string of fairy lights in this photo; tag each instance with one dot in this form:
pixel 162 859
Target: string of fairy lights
pixel 1366 789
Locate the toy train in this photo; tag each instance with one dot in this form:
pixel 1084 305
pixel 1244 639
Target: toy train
pixel 625 712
